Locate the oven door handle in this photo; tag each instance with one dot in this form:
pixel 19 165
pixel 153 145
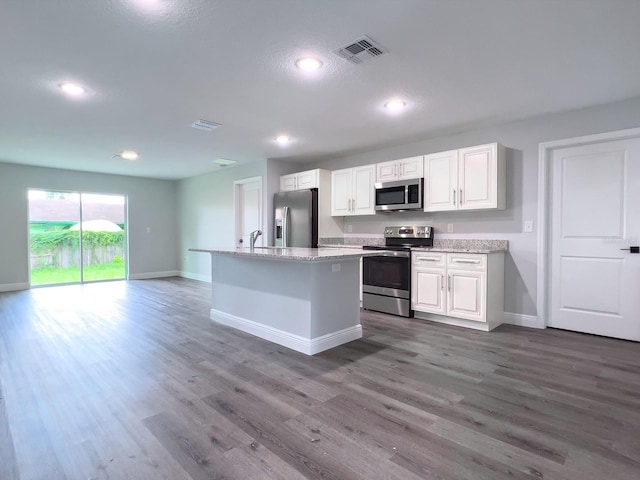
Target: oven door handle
pixel 390 254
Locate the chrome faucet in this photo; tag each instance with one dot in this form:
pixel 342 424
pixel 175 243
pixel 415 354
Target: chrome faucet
pixel 253 238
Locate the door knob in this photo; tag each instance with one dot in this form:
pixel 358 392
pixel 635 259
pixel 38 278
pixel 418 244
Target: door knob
pixel 632 249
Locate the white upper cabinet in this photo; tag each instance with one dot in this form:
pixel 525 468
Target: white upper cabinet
pixel 441 181
pixel 300 180
pixel 352 191
pixel 467 179
pixel 364 190
pixel 386 172
pixel 288 182
pixel 481 177
pixel 402 169
pixel 341 188
pixel 412 167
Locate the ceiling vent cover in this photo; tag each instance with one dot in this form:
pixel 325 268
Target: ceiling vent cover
pixel 361 50
pixel 205 125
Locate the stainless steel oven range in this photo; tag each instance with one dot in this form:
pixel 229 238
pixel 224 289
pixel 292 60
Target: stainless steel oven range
pixel 386 278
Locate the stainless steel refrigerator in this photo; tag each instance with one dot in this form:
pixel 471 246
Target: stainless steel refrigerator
pixel 296 218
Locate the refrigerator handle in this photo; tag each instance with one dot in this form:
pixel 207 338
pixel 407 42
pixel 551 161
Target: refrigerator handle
pixel 285 226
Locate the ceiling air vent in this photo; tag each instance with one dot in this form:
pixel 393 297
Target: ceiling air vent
pixel 205 125
pixel 361 50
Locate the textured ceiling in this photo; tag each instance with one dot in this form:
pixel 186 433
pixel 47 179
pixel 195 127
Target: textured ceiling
pixel 156 66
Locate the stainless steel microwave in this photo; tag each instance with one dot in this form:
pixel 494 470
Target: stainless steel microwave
pixel 400 195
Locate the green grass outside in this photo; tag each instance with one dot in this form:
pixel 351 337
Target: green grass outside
pixel 52 275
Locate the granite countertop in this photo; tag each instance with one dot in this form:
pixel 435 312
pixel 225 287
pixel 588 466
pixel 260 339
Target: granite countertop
pixel 338 245
pixel 439 245
pixel 291 254
pixel 458 250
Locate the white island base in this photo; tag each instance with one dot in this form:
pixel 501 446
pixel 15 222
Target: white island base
pixel 308 306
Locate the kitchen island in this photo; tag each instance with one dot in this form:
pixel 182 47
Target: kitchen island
pixel 306 299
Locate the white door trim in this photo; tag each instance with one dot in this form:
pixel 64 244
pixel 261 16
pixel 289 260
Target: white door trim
pixel 236 202
pixel 544 231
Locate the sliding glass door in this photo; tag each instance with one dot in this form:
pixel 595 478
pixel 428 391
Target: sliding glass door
pixel 76 237
pixel 103 233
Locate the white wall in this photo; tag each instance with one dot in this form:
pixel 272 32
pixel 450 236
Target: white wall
pixel 522 139
pixel 151 204
pixel 205 209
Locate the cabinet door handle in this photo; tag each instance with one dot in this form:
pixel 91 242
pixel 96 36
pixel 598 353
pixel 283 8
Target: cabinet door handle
pixel 462 260
pixel 449 282
pixel 461 200
pixel 454 196
pixel 442 281
pixel 427 259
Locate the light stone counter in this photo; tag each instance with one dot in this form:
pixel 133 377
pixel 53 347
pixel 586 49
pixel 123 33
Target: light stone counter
pixel 439 245
pixel 322 254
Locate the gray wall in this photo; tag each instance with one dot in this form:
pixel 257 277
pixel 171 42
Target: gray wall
pixel 205 209
pixel 151 204
pixel 198 212
pixel 522 140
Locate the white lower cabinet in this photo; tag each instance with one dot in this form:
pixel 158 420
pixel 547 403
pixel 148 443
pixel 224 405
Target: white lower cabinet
pixel 465 289
pixel 428 292
pixel 466 295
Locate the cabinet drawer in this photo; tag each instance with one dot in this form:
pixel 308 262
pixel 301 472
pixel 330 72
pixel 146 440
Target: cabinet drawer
pixel 467 261
pixel 428 259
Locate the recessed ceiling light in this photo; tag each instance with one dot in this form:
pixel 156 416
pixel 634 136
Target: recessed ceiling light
pixel 128 155
pixel 282 139
pixel 73 89
pixel 395 105
pixel 223 162
pixel 308 64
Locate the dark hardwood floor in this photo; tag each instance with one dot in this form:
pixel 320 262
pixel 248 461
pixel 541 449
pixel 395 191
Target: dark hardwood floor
pixel 131 380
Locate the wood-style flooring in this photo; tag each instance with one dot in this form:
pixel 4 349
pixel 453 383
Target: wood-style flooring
pixel 131 380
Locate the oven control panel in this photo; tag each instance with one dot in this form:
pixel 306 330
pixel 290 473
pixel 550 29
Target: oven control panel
pixel 408 232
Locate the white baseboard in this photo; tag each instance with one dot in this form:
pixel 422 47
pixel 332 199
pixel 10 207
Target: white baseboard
pixel 147 275
pixel 330 340
pixel 308 346
pixel 195 276
pixel 509 318
pixel 521 320
pixel 457 322
pixel 13 287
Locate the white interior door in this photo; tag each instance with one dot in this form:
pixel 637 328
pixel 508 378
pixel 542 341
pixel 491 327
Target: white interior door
pixel 595 215
pixel 248 210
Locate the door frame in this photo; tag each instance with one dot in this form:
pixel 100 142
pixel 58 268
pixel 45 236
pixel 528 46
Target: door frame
pixel 545 155
pixel 236 202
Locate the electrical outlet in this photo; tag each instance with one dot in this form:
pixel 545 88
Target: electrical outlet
pixel 349 228
pixel 528 226
pixel 449 227
pixel 148 229
pixel 335 267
